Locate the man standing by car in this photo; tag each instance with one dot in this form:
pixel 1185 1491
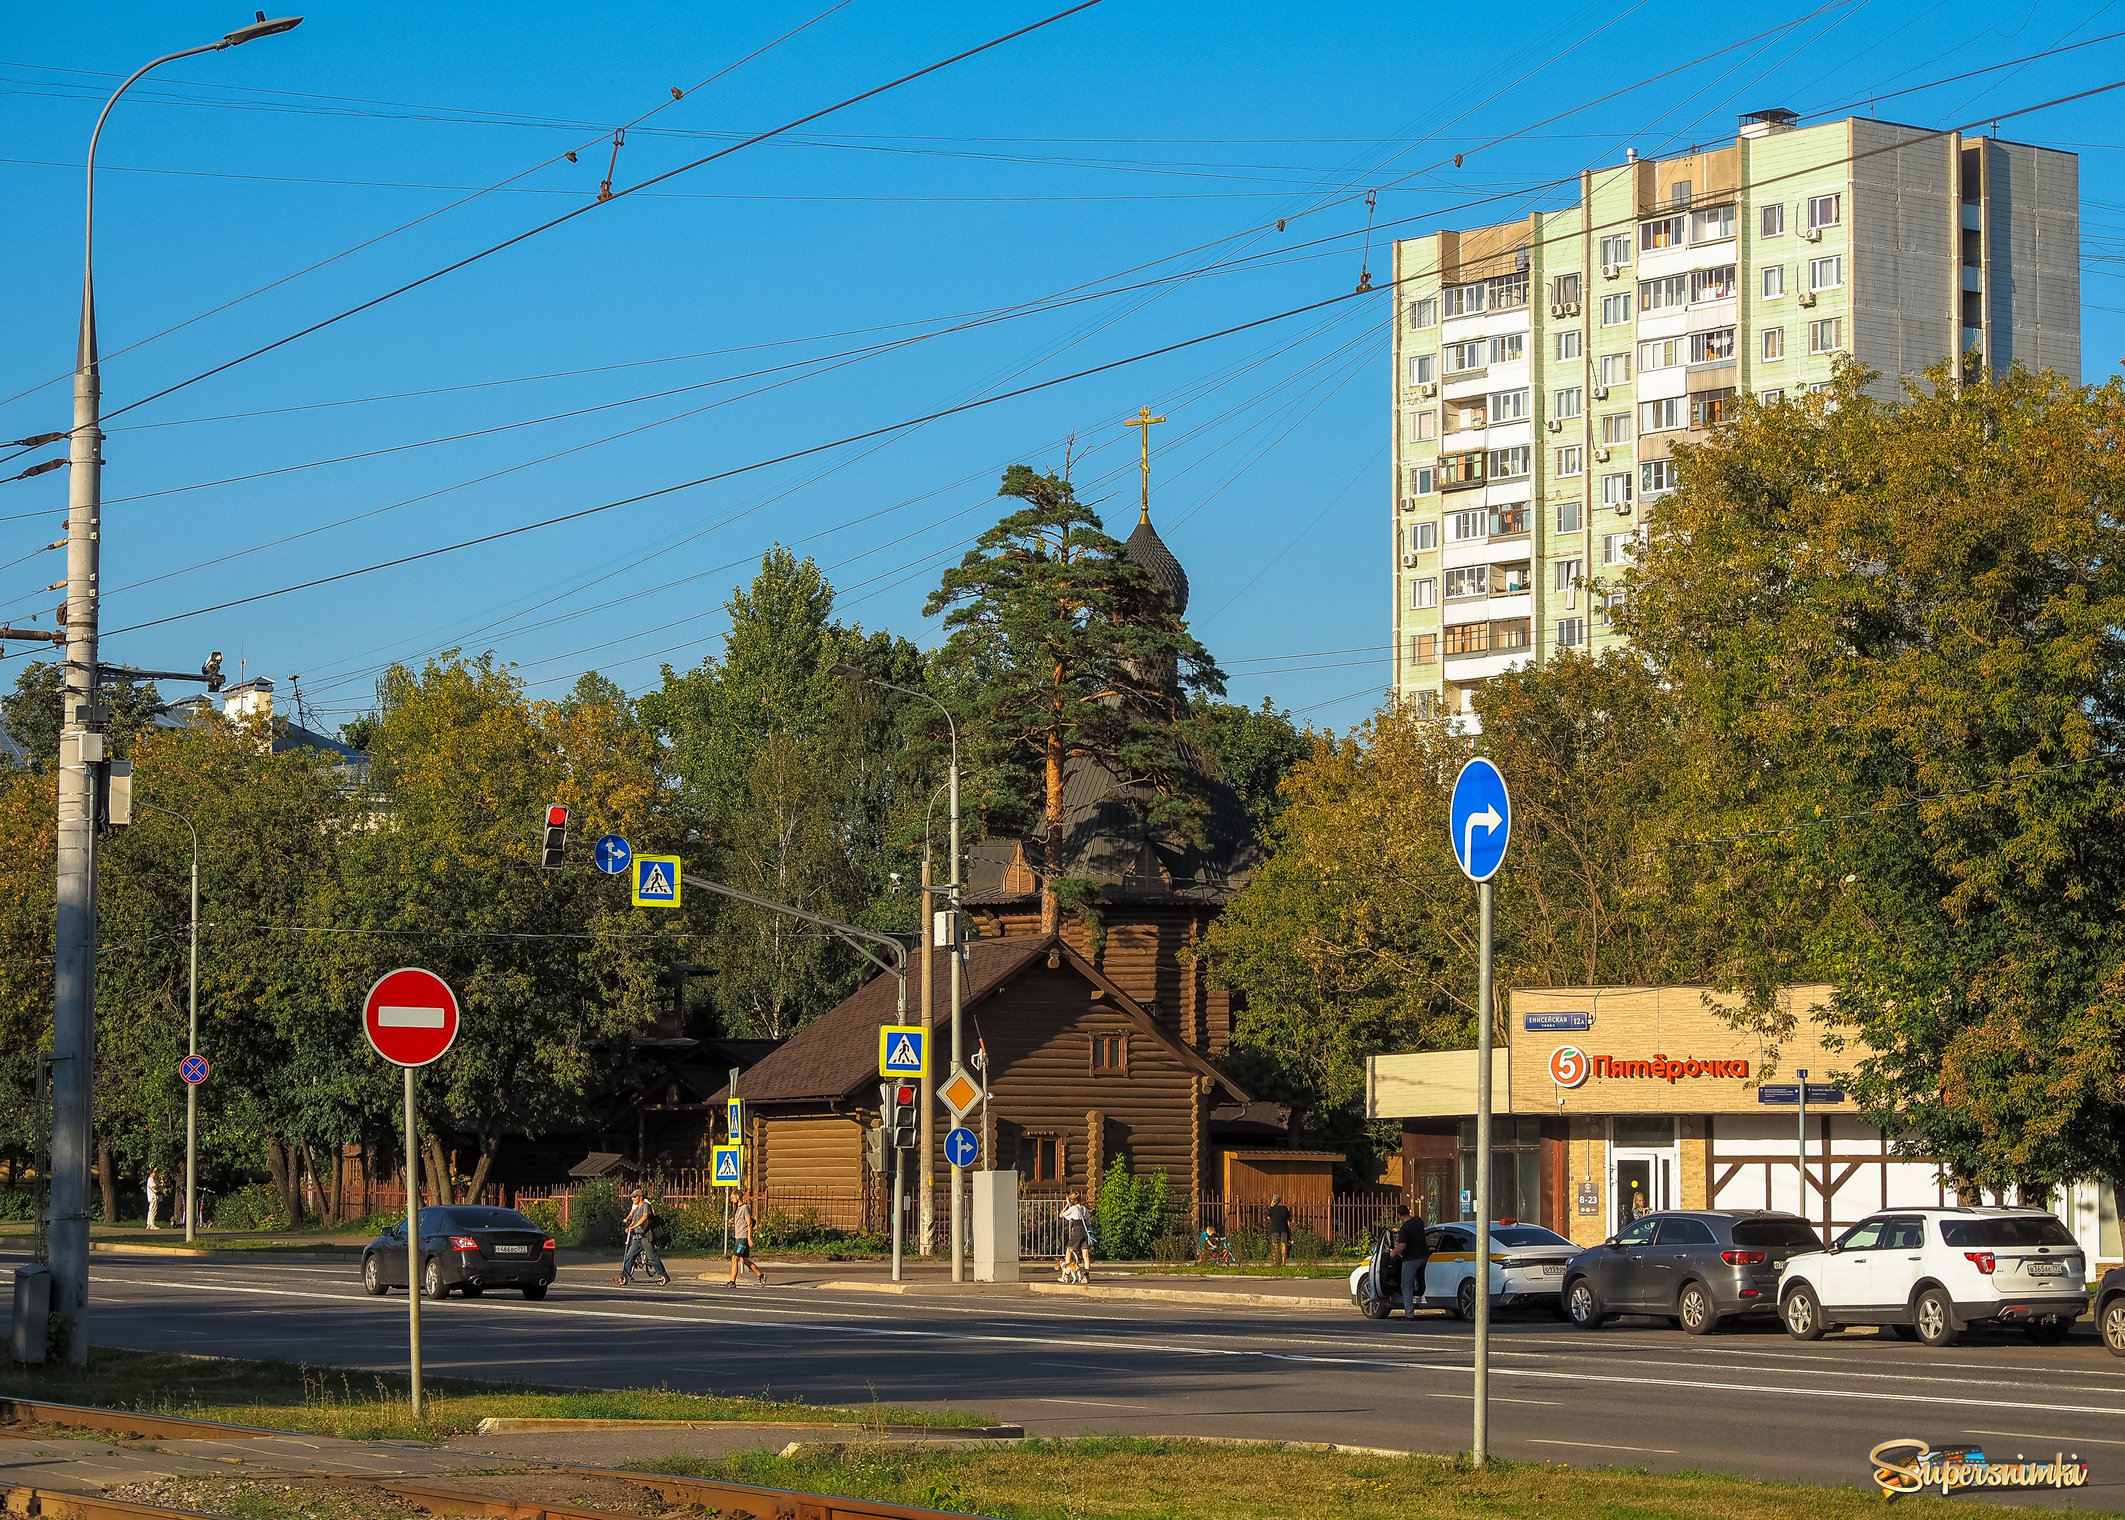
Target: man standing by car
pixel 1409 1249
pixel 640 1219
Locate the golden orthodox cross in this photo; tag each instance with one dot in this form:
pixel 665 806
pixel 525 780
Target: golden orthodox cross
pixel 1143 419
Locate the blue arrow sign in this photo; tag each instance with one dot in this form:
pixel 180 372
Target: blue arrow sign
pixel 961 1146
pixel 1481 819
pixel 612 854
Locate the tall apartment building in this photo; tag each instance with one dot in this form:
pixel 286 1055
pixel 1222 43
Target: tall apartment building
pixel 1545 368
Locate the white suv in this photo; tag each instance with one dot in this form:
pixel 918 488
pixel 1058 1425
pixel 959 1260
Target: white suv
pixel 1930 1273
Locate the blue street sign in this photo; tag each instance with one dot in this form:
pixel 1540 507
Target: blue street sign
pixel 903 1051
pixel 1789 1092
pixel 657 881
pixel 193 1069
pixel 961 1147
pixel 612 854
pixel 1481 819
pixel 1573 1021
pixel 730 1165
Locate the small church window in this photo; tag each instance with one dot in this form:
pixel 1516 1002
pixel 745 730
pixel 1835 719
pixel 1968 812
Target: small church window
pixel 1043 1153
pixel 1110 1055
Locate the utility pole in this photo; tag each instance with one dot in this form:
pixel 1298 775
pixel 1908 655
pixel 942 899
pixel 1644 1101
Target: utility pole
pixel 926 1210
pixel 81 747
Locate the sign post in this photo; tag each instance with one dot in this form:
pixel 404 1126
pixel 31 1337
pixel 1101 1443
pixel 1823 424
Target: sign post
pixel 1482 807
pixel 411 1018
pixel 1801 1103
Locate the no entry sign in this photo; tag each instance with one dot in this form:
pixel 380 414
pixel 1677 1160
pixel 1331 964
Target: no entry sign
pixel 411 1017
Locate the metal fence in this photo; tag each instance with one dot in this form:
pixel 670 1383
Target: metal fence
pixel 1346 1219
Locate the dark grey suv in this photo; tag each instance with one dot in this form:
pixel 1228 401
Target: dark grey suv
pixel 1696 1267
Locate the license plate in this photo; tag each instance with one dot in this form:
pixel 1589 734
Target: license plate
pixel 2045 1268
pixel 512 1250
pixel 1553 1269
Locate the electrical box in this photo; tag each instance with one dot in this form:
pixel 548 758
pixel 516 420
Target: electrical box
pixel 114 794
pixel 995 1226
pixel 33 1312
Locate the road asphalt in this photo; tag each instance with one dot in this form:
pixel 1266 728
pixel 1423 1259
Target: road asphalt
pixel 1747 1400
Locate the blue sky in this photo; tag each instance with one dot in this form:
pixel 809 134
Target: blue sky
pixel 716 320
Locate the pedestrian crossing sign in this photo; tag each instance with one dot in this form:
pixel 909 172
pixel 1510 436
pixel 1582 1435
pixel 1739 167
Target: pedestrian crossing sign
pixel 903 1050
pixel 730 1165
pixel 656 881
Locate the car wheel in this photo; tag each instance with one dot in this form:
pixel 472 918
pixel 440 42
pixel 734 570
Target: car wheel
pixel 1694 1310
pixel 1581 1307
pixel 432 1284
pixel 1933 1316
pixel 2112 1324
pixel 2049 1332
pixel 1904 1332
pixel 1802 1311
pixel 1465 1300
pixel 373 1282
pixel 534 1291
pixel 1370 1305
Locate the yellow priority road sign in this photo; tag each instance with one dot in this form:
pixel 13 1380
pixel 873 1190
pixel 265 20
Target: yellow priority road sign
pixel 960 1092
pixel 903 1050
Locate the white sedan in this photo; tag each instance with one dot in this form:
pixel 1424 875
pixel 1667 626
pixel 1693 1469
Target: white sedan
pixel 1526 1268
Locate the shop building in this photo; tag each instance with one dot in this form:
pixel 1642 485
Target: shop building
pixel 1613 1101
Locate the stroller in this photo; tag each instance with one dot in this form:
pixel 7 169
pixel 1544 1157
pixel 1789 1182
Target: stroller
pixel 1380 1286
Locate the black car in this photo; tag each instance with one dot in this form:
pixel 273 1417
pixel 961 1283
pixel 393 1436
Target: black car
pixel 466 1247
pixel 2110 1310
pixel 1696 1267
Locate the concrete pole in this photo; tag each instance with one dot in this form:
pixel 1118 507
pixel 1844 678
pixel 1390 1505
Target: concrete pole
pixel 958 885
pixel 1801 1147
pixel 926 1180
pixel 191 1089
pixel 1483 1178
pixel 413 1246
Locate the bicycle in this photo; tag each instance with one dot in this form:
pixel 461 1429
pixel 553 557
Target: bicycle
pixel 1216 1251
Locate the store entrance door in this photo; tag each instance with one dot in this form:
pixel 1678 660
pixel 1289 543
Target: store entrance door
pixel 1643 1179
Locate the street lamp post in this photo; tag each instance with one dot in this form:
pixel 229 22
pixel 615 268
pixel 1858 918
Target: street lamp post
pixel 952 889
pixel 80 751
pixel 191 1088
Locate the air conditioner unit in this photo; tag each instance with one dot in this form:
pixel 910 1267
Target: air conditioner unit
pixel 1601 393
pixel 1807 298
pixel 1623 509
pixel 1409 561
pixel 1554 425
pixel 1558 309
pixel 1811 234
pixel 1601 456
pixel 1571 308
pixel 1409 504
pixel 1428 388
pixel 1608 271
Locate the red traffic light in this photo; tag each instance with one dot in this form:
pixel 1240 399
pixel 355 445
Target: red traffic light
pixel 904 1095
pixel 556 817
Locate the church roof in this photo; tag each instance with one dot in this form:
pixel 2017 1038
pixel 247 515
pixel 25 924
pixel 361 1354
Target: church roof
pixel 1146 548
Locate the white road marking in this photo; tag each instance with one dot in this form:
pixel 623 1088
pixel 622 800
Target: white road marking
pixel 1100 1403
pixel 1080 1342
pixel 1651 1451
pixel 2064 1441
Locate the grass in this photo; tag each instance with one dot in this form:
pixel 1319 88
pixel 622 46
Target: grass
pixel 375 1406
pixel 1134 1478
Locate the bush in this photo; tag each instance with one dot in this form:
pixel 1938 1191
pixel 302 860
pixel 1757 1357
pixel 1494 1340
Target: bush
pixel 696 1226
pixel 546 1214
pixel 256 1207
pixel 1177 1247
pixel 1307 1246
pixel 597 1214
pixel 18 1205
pixel 1133 1213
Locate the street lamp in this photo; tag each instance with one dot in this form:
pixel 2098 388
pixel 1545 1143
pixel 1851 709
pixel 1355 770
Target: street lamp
pixel 191 1088
pixel 80 750
pixel 952 887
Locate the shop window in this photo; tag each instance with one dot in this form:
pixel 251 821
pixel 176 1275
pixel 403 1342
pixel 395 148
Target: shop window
pixel 1110 1055
pixel 1515 1168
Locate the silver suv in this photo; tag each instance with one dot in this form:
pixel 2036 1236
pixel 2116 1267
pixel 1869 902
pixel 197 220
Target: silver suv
pixel 1929 1274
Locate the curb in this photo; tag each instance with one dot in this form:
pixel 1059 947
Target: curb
pixel 1191 1296
pixel 846 1285
pixel 508 1425
pixel 1330 1448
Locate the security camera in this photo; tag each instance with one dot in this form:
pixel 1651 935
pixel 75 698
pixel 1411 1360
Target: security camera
pixel 892 881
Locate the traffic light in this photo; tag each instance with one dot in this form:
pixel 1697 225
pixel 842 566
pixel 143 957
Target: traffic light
pixel 907 1116
pixel 556 837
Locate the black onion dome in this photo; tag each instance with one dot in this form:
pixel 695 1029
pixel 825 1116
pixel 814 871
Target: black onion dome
pixel 1146 548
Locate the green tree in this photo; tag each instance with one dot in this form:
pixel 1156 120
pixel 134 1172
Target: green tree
pixel 1254 749
pixel 33 712
pixel 1068 651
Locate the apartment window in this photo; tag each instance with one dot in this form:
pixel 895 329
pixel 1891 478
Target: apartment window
pixel 1505 349
pixel 1616 368
pixel 1568 403
pixel 1826 274
pixel 1771 221
pixel 1662 232
pixel 1774 342
pixel 1507 291
pixel 1567 517
pixel 1045 1155
pixel 1660 416
pixel 1771 398
pixel 1655 476
pixel 1616 490
pixel 1511 634
pixel 1505 464
pixel 1423 480
pixel 1463 300
pixel 1826 336
pixel 1713 347
pixel 1423 368
pixel 1662 353
pixel 1565 573
pixel 1571 633
pixel 1712 225
pixel 1424 649
pixel 1422 594
pixel 1423 426
pixel 1568 344
pixel 1474 580
pixel 1466 356
pixel 1616 248
pixel 1564 289
pixel 1615 310
pixel 1465 525
pixel 1711 408
pixel 1616 548
pixel 1615 427
pixel 1468 638
pixel 1774 281
pixel 1462 470
pixel 1508 406
pixel 1110 1055
pixel 1712 284
pixel 1679 193
pixel 1571 460
pixel 1423 536
pixel 1424 312
pixel 1825 210
pixel 1815 386
pixel 1659 295
pixel 1509 522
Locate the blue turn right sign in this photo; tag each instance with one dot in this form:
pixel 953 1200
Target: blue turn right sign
pixel 1482 819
